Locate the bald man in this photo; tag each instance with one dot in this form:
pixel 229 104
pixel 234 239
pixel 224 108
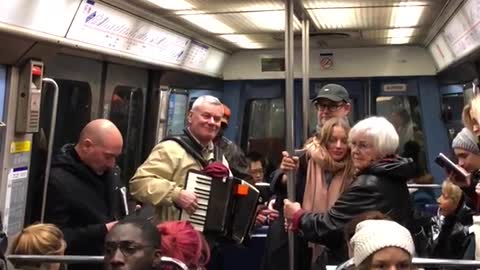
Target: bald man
pixel 85 194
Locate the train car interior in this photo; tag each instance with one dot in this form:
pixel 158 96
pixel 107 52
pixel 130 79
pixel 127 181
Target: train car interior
pixel 142 63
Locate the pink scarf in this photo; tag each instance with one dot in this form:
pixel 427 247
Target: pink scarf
pixel 319 196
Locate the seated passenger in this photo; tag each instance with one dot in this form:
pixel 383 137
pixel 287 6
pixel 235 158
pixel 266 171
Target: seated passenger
pixel 449 230
pixel 181 241
pixel 256 165
pixel 351 226
pixel 379 184
pixel 382 244
pixel 39 239
pixel 132 244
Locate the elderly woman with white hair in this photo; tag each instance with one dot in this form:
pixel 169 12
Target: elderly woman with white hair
pixel 379 184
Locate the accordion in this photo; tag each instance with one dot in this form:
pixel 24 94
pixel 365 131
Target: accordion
pixel 226 207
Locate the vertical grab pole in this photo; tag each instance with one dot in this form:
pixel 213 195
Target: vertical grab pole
pixel 306 76
pixel 50 144
pixel 289 69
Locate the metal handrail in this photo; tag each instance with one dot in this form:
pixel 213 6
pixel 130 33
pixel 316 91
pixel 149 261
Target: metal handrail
pixel 78 259
pixel 51 136
pixel 424 186
pixel 427 262
pixel 55 258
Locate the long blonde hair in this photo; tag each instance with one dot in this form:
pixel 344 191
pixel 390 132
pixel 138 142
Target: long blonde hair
pixel 322 137
pixel 39 239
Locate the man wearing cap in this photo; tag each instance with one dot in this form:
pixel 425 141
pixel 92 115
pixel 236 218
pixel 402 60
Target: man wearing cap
pixel 234 155
pixel 332 100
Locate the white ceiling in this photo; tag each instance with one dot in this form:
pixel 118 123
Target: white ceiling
pixel 258 24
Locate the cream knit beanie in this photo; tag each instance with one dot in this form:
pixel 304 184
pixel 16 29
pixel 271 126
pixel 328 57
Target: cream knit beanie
pixel 373 235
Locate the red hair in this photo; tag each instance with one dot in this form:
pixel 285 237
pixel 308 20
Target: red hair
pixel 181 241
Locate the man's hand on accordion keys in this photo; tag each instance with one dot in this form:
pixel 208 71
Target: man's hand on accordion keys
pixel 187 200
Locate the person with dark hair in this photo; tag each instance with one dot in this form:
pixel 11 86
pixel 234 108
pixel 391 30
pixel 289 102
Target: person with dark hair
pixel 256 165
pixel 133 244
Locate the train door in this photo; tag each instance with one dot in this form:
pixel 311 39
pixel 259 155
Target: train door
pixel 125 92
pixel 79 81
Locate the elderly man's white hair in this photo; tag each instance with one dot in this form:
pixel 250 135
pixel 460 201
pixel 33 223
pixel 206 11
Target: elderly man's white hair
pixel 381 131
pixel 206 99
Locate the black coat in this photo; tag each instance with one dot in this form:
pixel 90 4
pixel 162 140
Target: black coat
pixel 451 234
pixel 81 202
pixel 381 187
pixel 276 247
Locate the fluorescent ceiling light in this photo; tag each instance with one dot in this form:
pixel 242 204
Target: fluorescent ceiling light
pixel 209 23
pixel 411 4
pixel 172 4
pixel 398 40
pixel 270 20
pixel 400 32
pixel 334 18
pixel 242 41
pixel 406 16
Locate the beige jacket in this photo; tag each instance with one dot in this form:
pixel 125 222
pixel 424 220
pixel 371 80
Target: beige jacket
pixel 161 177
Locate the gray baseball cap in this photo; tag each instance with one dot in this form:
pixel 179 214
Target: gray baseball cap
pixel 333 92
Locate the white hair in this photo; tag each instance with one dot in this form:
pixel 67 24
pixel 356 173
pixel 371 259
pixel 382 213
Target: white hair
pixel 206 99
pixel 381 131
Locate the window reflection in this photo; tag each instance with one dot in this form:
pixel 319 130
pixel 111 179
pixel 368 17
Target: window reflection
pixel 404 113
pixel 177 108
pixel 266 128
pixel 127 114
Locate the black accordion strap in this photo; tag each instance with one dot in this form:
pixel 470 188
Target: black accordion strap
pixel 193 148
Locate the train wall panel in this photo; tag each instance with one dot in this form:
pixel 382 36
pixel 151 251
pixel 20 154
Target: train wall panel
pixel 347 63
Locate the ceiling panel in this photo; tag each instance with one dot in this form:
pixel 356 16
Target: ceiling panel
pixel 371 17
pixel 367 3
pixel 255 24
pixel 215 6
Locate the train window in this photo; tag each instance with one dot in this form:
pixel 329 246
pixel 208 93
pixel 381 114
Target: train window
pixel 177 109
pixel 127 113
pixel 3 83
pixel 404 113
pixel 266 129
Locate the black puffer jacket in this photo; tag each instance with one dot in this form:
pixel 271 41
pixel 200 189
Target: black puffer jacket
pixel 381 187
pixel 81 202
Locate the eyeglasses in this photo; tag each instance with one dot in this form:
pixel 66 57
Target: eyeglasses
pixel 361 146
pixel 331 107
pixel 128 248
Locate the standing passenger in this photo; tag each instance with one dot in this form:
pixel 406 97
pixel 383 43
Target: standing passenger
pixel 85 191
pixel 331 101
pixel 380 184
pixel 234 155
pixel 160 180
